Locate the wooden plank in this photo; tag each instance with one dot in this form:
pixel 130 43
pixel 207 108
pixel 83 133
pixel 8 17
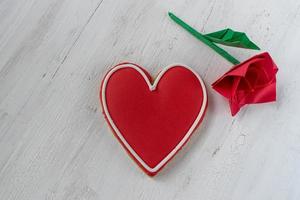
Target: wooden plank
pixel 55 144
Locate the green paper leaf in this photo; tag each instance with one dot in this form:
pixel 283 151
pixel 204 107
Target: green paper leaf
pixel 232 38
pixel 203 39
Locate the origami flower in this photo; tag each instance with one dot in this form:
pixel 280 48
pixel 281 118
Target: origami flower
pixel 250 82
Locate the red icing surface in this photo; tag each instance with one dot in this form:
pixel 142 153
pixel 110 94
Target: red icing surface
pixel 153 122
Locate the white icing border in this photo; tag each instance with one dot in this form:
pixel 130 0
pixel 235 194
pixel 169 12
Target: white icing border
pixel 152 87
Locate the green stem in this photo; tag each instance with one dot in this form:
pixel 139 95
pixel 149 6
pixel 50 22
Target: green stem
pixel 199 36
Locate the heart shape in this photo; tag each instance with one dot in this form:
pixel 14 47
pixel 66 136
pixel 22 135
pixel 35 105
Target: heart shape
pixel 153 120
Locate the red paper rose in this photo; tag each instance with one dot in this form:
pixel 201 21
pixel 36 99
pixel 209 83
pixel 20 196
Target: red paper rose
pixel 253 81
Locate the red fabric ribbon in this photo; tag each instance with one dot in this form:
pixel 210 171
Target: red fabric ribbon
pixel 250 82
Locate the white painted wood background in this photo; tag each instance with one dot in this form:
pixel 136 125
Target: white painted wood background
pixel 55 144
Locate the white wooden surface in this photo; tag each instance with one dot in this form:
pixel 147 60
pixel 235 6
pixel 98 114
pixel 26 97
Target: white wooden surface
pixel 55 144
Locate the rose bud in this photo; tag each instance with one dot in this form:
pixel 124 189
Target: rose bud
pixel 252 81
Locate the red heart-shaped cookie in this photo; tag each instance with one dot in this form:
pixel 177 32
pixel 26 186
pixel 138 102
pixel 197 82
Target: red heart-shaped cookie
pixel 153 119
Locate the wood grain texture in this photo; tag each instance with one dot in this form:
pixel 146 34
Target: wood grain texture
pixel 55 144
